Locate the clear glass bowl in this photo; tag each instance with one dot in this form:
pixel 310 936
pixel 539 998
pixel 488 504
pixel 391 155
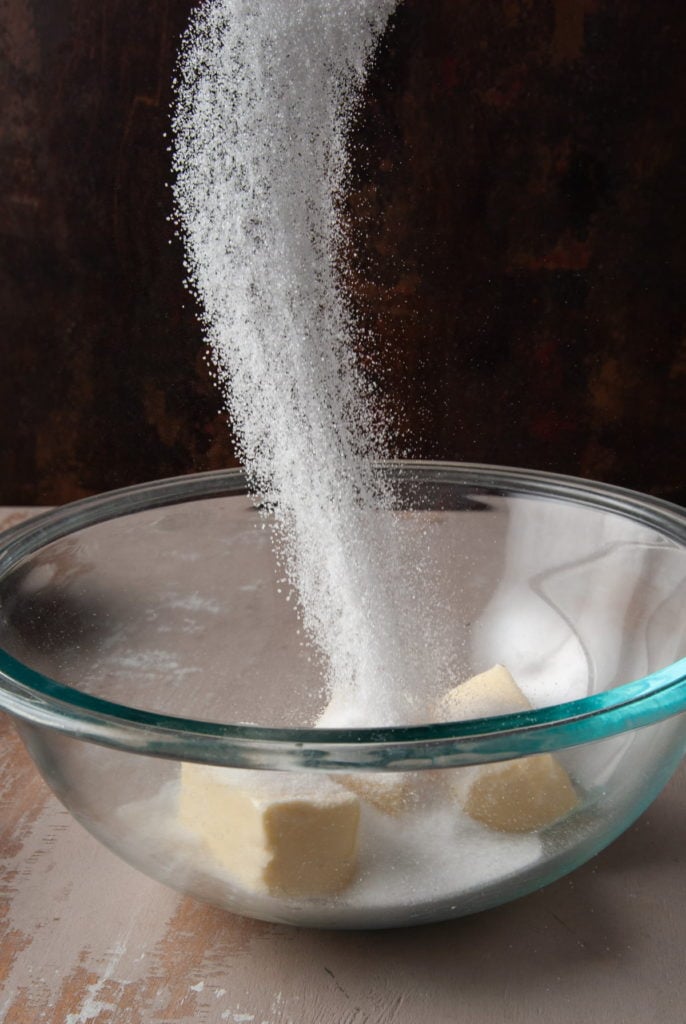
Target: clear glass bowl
pixel 145 634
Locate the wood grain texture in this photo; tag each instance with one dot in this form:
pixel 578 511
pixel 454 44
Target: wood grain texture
pixel 516 210
pixel 85 939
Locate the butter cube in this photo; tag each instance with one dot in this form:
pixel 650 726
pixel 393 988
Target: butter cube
pixel 485 695
pixel 280 833
pixel 389 792
pixel 521 795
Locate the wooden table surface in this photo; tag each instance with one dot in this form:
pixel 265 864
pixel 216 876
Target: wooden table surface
pixel 85 939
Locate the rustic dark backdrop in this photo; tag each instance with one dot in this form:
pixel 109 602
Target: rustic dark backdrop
pixel 517 211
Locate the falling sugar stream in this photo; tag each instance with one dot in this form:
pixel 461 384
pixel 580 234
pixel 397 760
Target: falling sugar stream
pixel 265 97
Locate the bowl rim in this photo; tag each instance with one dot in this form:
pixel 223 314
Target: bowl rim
pixel 37 700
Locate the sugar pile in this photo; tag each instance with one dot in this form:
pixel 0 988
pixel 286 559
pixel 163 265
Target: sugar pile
pixel 413 868
pixel 266 93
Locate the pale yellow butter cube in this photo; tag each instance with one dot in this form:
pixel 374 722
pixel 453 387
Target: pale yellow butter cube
pixel 483 696
pixel 521 795
pixel 389 792
pixel 275 832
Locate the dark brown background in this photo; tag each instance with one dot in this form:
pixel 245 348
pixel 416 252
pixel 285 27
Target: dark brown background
pixel 518 209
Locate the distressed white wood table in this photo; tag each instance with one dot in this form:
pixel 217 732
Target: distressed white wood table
pixel 85 938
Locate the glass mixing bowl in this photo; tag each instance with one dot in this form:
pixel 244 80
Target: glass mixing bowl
pixel 152 661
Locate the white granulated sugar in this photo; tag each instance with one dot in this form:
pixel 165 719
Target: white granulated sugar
pixel 266 94
pixel 408 865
